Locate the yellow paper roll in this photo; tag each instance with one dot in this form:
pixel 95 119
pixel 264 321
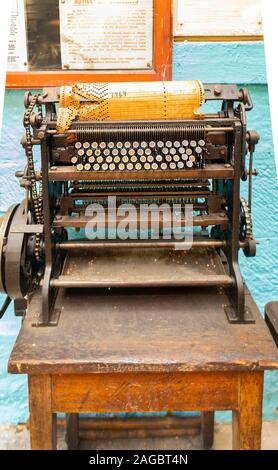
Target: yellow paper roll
pixel 129 101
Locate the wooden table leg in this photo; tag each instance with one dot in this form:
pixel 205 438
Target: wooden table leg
pixel 247 420
pixel 207 429
pixel 42 420
pixel 72 431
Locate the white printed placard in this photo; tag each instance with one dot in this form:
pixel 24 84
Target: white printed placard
pixel 17 45
pixel 217 18
pixel 106 34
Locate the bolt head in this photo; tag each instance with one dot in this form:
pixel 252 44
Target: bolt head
pixel 218 90
pixel 41 135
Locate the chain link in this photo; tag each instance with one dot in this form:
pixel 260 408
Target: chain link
pixel 36 195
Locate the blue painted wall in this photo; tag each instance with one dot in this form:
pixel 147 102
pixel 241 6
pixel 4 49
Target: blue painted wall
pixel 241 63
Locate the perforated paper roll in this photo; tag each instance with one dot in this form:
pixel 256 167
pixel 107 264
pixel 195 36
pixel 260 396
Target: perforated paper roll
pixel 129 101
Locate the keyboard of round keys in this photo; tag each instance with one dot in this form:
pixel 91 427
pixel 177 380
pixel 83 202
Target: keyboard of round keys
pixel 139 156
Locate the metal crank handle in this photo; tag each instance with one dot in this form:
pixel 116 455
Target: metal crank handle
pixel 5 305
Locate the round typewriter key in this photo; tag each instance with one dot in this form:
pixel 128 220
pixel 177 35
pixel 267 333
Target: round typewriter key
pixel 176 158
pixel 86 145
pixel 147 166
pixel 144 145
pixel 94 145
pixel 97 153
pixel 80 167
pixel 133 159
pixel 111 145
pixel 181 150
pixel 189 152
pixel 112 166
pixel 148 152
pixel 102 145
pixel 192 158
pixel 165 151
pixel 154 166
pixel 106 153
pixel 159 158
pixel 117 160
pixel 131 152
pixel 198 150
pixel 115 152
pixel 173 166
pixel 121 167
pixel 81 153
pixel 150 158
pixel 193 143
pixel 173 151
pixel 143 159
pixel 138 166
pixel 125 159
pixel 127 145
pixel 140 152
pixel 136 145
pixel 160 144
pixel 185 143
pixel 130 166
pixel 74 160
pixel 180 165
pixel 110 159
pixel 123 152
pixel 152 144
pixel 177 144
pixel 99 159
pixel 168 158
pixel 202 143
pixel 189 164
pixel 87 166
pixel 96 167
pixel 104 167
pixel 119 145
pixel 91 159
pixel 78 145
pixel 169 144
pixel 164 166
pixel 184 157
pixel 89 153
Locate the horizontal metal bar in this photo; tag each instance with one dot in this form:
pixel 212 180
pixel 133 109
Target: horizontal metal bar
pixel 207 129
pixel 212 280
pixel 207 119
pixel 69 173
pixel 125 244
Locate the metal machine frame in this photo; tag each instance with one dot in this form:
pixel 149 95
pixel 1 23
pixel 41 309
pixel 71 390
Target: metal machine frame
pixel 33 239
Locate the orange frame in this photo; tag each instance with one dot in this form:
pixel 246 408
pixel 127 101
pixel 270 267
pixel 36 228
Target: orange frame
pixel 162 69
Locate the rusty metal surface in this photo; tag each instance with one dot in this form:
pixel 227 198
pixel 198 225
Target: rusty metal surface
pixel 142 267
pixel 216 170
pixel 82 221
pixel 133 330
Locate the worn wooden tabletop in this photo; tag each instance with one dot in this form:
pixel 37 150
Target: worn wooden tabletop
pixel 145 330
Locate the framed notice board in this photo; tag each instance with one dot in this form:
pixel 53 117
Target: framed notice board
pixel 63 41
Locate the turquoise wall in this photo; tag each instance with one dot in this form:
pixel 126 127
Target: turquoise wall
pixel 241 63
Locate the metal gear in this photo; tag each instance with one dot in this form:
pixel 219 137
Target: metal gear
pixel 246 225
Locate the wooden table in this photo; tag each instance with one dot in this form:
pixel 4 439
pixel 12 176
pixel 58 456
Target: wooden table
pixel 141 351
